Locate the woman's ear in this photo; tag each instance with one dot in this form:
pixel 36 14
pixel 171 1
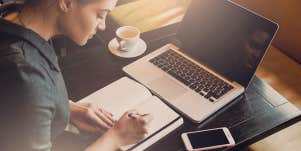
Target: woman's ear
pixel 66 5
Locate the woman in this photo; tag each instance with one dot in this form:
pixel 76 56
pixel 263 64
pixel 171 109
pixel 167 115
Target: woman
pixel 34 107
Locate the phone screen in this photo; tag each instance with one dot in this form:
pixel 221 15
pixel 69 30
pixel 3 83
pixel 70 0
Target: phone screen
pixel 207 138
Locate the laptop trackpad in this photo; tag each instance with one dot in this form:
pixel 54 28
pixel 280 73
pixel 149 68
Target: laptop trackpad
pixel 167 88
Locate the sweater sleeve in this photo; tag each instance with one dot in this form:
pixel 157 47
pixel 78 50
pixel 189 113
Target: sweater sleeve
pixel 26 110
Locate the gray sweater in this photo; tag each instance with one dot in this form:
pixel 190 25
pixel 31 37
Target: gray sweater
pixel 34 106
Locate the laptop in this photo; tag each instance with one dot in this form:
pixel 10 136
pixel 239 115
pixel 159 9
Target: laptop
pixel 219 47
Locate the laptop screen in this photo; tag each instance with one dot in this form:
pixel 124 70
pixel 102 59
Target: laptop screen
pixel 226 38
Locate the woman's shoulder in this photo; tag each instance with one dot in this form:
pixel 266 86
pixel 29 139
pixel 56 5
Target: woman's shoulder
pixel 19 76
pixel 13 61
pixel 14 50
pixel 10 47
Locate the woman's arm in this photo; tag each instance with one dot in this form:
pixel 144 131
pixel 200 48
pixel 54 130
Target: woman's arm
pixel 108 142
pixel 26 109
pixel 126 131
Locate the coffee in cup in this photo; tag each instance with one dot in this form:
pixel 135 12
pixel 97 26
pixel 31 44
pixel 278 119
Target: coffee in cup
pixel 127 37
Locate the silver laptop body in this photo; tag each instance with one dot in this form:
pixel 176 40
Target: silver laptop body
pixel 186 97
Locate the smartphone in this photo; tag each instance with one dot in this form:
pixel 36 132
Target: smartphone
pixel 208 139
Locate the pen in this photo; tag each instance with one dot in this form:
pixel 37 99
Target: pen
pixel 135 115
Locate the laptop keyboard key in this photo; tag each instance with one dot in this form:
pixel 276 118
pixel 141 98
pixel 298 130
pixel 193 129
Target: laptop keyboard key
pixel 173 73
pixel 201 93
pixel 212 100
pixel 193 86
pixel 208 95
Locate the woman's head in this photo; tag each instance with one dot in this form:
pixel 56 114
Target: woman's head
pixel 77 19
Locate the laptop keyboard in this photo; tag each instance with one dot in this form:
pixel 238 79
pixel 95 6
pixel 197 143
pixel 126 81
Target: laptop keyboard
pixel 195 77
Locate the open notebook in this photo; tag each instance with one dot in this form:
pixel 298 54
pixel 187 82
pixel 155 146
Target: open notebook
pixel 125 94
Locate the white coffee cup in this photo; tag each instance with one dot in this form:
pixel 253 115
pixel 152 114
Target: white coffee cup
pixel 127 37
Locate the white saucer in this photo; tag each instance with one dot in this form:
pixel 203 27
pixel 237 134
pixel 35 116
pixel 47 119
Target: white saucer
pixel 139 50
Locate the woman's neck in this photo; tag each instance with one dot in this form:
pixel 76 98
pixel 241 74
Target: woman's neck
pixel 43 23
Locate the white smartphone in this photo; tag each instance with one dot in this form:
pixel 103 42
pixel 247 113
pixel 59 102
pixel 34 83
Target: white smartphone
pixel 208 139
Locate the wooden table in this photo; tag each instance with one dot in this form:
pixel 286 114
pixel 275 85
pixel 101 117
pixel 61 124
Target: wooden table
pixel 260 112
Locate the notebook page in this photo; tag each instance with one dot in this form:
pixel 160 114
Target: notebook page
pixel 119 96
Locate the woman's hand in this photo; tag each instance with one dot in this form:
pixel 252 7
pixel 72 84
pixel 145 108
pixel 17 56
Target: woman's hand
pixel 129 129
pixel 90 118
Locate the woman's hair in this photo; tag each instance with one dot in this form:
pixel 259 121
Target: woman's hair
pixel 33 2
pixel 39 2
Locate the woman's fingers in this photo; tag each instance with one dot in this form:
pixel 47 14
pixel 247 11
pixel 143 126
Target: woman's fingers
pixel 100 117
pixel 99 120
pixel 104 118
pixel 145 118
pixel 108 115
